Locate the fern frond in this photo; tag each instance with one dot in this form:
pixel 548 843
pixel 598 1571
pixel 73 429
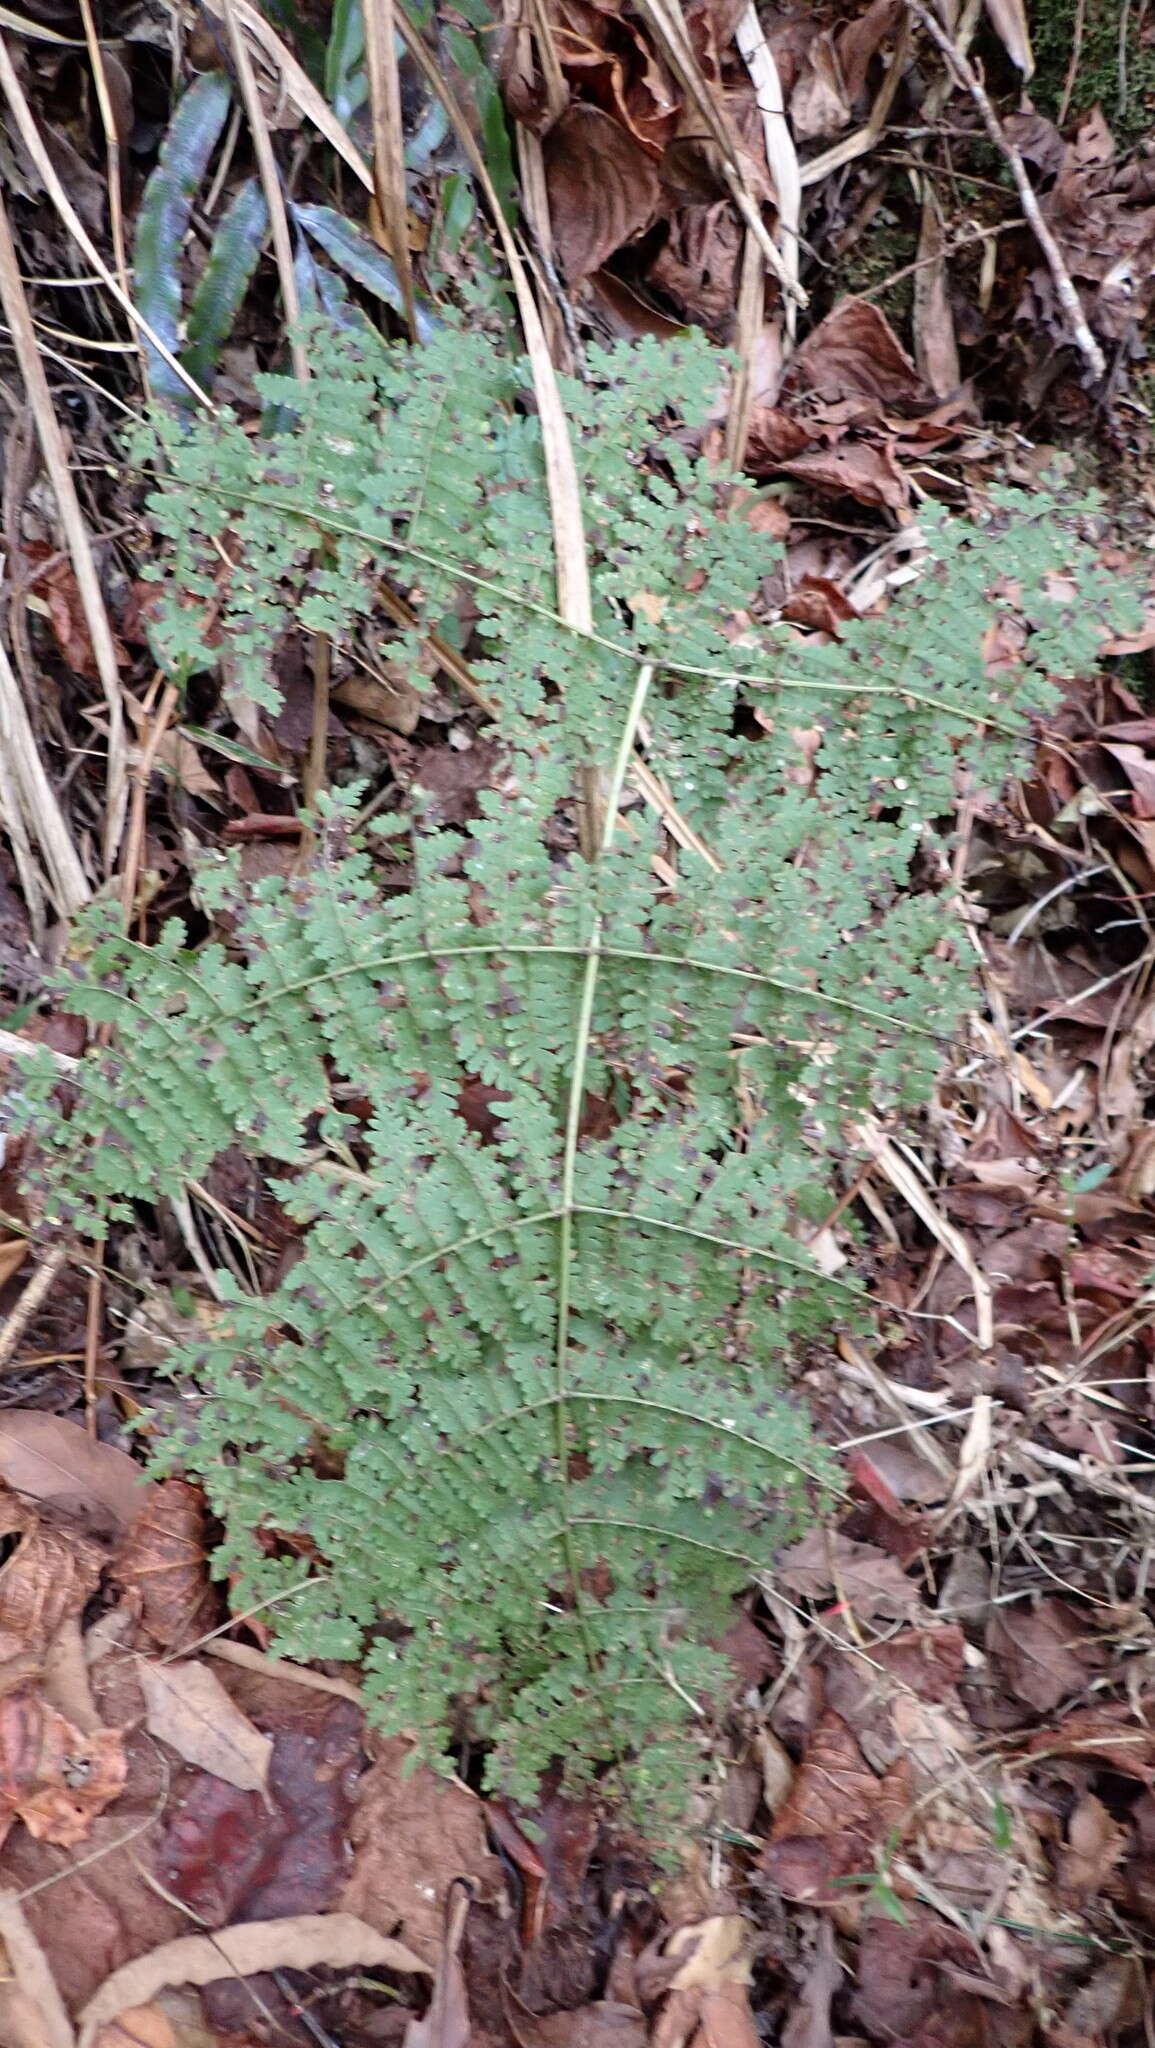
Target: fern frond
pixel 523 1399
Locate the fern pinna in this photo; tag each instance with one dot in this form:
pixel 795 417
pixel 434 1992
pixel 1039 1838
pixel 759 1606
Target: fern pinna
pixel 520 1397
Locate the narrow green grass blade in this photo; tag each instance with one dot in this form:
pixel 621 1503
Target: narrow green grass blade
pixel 346 88
pixel 359 260
pixel 227 275
pixel 165 210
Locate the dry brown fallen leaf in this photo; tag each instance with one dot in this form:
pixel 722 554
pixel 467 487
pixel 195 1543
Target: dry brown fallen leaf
pixel 707 2001
pixel 53 1777
pixel 164 1558
pixel 46 1458
pixel 189 1709
pixel 139 2026
pixel 303 1941
pixel 605 2024
pixel 49 1576
pixel 412 1835
pixel 871 1582
pixel 603 188
pixel 1043 1651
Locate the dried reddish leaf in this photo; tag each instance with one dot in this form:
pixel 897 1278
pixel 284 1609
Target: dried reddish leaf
pixel 61 594
pixel 817 602
pixel 899 1982
pixel 808 2023
pixel 49 1576
pixel 698 265
pixel 860 41
pixel 231 1854
pixel 1109 1734
pixel 47 1458
pixel 1042 1651
pixel 834 1815
pixel 53 1777
pixel 871 1582
pixel 603 188
pixel 775 436
pixel 1095 1844
pixel 412 1836
pixel 164 1555
pixel 606 2024
pixel 855 469
pixel 855 352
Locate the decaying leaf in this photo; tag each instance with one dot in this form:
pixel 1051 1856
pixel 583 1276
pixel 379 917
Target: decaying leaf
pixel 872 1582
pixel 53 1777
pixel 412 1837
pixel 231 1855
pixel 189 1709
pixel 31 2008
pixel 46 1458
pixel 48 1577
pixel 1044 1651
pixel 856 469
pixel 1095 1844
pixel 163 1557
pixel 304 1941
pixel 603 188
pixel 808 2024
pixel 707 1999
pixel 446 2023
pixel 835 1814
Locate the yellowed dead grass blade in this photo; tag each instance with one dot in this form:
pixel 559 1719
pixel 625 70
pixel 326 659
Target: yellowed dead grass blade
pixel 389 144
pixel 271 187
pixel 906 1183
pixel 781 154
pixel 55 454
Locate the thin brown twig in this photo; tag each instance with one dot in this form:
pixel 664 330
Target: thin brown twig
pixel 1073 67
pixel 1068 297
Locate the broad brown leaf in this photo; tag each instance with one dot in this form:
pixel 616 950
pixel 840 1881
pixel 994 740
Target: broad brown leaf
pixel 47 1458
pixel 872 1582
pixel 412 1836
pixel 855 352
pixel 835 1813
pixel 855 469
pixel 189 1709
pixel 232 1855
pixel 603 188
pixel 1042 1651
